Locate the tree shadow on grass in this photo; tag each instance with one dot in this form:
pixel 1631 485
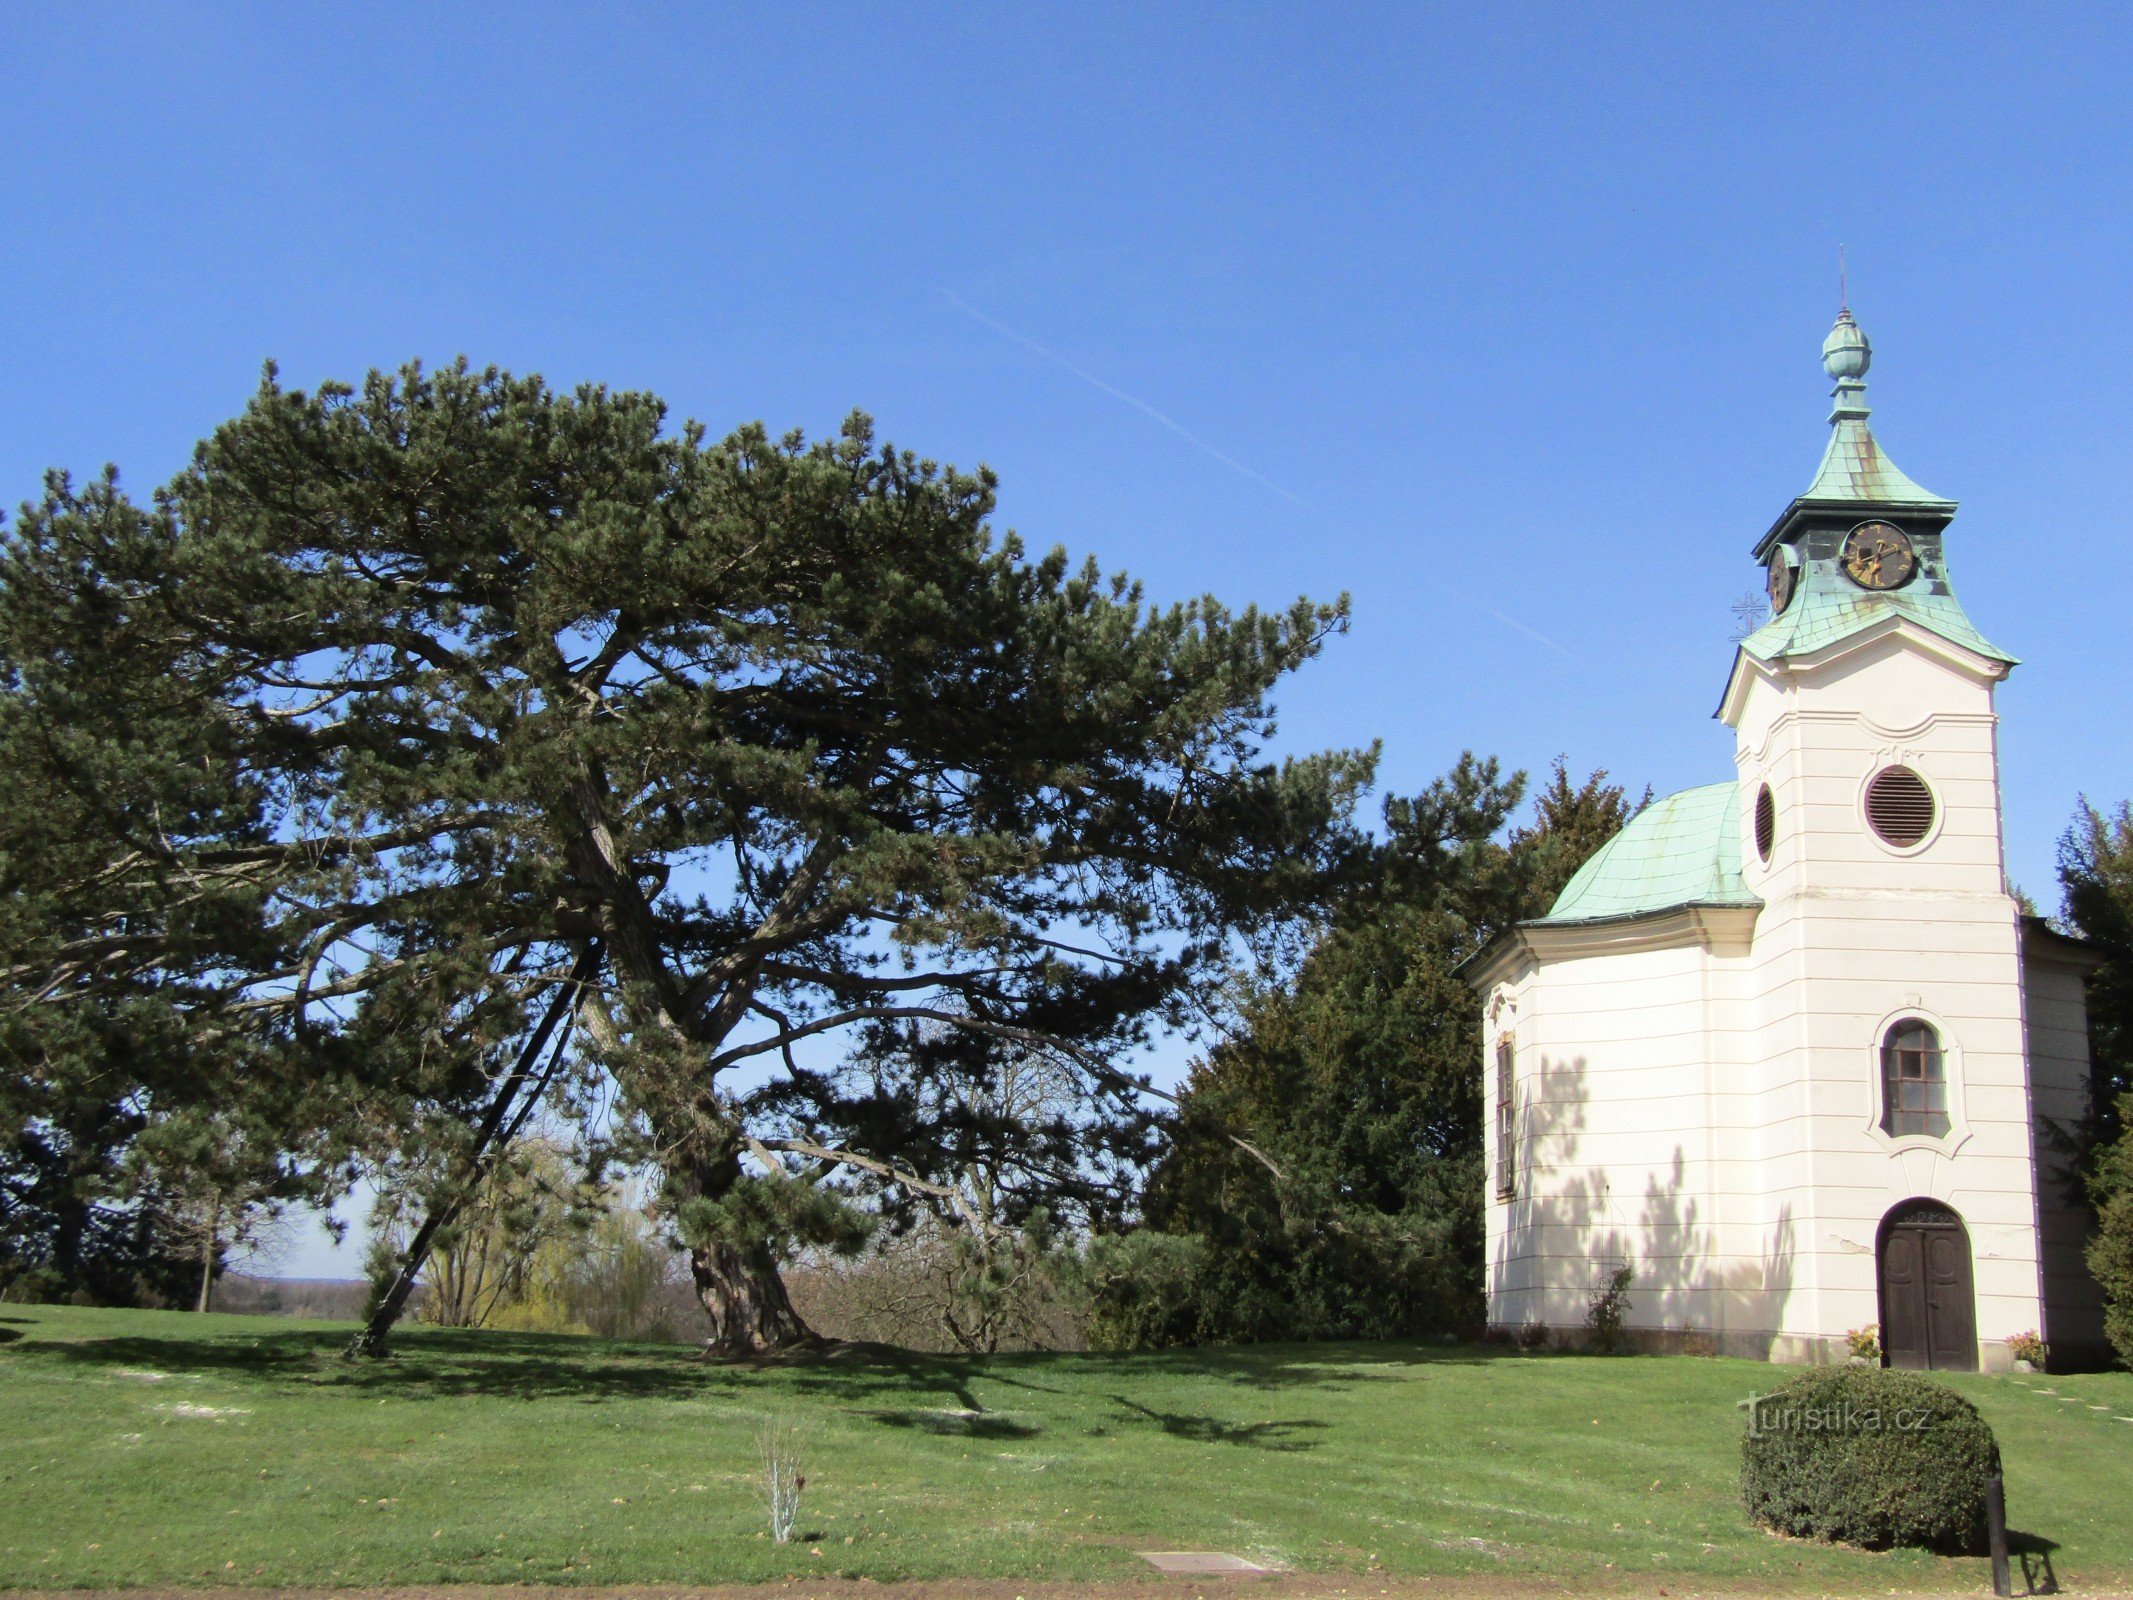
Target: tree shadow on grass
pixel 435 1364
pixel 851 1369
pixel 1268 1435
pixel 958 1424
pixel 2032 1554
pixel 449 1363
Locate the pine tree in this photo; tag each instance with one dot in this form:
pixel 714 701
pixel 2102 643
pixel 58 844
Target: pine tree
pixel 133 881
pixel 781 736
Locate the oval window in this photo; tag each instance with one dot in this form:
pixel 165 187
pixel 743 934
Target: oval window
pixel 1766 823
pixel 1899 806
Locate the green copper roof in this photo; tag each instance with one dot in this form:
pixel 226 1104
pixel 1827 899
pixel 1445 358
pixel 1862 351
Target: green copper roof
pixel 1830 607
pixel 1853 468
pixel 1856 480
pixel 1680 851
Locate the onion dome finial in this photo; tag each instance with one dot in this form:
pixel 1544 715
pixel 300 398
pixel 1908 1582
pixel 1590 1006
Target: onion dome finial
pixel 1845 353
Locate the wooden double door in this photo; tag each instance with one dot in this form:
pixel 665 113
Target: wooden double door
pixel 1928 1303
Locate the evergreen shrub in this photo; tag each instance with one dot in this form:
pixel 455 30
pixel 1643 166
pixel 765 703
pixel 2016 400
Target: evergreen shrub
pixel 2110 1252
pixel 1142 1290
pixel 2111 1260
pixel 1864 1456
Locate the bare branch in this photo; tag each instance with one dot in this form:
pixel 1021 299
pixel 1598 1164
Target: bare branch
pixel 982 1226
pixel 866 983
pixel 1121 1082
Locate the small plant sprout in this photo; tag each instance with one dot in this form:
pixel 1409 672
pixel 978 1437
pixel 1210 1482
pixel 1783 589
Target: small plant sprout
pixel 783 1481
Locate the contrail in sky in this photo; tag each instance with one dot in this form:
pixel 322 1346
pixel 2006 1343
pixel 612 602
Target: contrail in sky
pixel 1201 445
pixel 1142 406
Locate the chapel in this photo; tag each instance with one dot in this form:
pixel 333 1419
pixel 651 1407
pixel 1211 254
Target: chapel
pixel 1788 1047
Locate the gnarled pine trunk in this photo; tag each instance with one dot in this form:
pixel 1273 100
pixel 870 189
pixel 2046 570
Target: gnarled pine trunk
pixel 745 1298
pixel 736 1278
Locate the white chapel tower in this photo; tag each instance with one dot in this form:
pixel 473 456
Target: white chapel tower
pixel 1787 1046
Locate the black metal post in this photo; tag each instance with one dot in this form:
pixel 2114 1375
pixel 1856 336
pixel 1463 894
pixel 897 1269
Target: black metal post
pixel 1996 1533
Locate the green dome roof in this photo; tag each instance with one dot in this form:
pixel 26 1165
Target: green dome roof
pixel 1683 850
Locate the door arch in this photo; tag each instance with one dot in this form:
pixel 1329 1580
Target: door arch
pixel 1928 1302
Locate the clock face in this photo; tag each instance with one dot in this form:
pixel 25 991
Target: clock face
pixel 1782 580
pixel 1878 555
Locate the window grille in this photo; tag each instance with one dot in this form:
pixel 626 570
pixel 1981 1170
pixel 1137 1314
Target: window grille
pixel 1914 1081
pixel 1506 1142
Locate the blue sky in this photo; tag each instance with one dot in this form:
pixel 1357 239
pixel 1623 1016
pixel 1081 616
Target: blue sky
pixel 1505 322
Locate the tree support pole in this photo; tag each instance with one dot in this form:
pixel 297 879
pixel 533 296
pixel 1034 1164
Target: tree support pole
pixel 489 1140
pixel 207 1250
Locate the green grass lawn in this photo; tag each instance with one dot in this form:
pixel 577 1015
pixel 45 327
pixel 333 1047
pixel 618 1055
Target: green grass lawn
pixel 160 1447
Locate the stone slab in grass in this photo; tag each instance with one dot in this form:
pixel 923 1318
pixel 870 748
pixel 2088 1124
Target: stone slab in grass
pixel 1198 1561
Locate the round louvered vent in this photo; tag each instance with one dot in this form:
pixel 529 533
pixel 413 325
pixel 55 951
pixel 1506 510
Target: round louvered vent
pixel 1899 806
pixel 1766 823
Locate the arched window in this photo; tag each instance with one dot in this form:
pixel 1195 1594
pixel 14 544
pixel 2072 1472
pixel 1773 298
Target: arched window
pixel 1914 1081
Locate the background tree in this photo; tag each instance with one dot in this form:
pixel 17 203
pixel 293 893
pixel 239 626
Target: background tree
pixel 1362 1079
pixel 782 732
pixel 484 1257
pixel 2096 881
pixel 1003 1145
pixel 2096 874
pixel 222 1189
pixel 621 1267
pixel 72 1224
pixel 2110 1251
pixel 132 884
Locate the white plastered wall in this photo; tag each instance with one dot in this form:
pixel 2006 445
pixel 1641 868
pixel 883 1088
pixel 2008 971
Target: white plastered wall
pixel 1699 1092
pixel 1630 1043
pixel 1856 934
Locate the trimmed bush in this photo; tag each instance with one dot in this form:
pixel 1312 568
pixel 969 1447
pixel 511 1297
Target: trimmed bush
pixel 1858 1455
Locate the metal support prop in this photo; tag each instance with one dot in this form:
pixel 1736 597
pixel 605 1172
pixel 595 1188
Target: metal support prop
pixel 1996 1533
